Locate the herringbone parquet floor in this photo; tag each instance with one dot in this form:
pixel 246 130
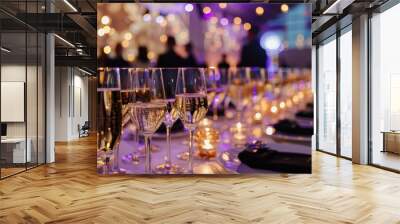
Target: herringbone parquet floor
pixel 70 191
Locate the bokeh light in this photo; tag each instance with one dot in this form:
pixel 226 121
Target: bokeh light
pixel 284 8
pixel 222 5
pixel 247 26
pixel 189 7
pixel 206 10
pixel 237 20
pixel 107 49
pixel 259 10
pixel 224 21
pixel 105 20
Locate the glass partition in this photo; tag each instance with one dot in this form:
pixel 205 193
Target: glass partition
pixel 327 96
pixel 13 95
pixel 22 95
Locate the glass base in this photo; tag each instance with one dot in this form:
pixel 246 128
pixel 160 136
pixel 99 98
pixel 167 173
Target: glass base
pixel 168 168
pixel 183 156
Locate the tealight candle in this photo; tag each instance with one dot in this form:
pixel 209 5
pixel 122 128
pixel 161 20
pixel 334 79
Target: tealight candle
pixel 207 140
pixel 238 131
pixel 257 118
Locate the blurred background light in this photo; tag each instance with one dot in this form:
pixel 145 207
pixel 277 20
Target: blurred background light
pixel 224 21
pixel 284 8
pixel 206 10
pixel 259 10
pixel 189 7
pixel 247 26
pixel 270 41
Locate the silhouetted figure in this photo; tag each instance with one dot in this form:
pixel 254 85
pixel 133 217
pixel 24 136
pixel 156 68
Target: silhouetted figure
pixel 119 61
pixel 223 63
pixel 142 61
pixel 170 58
pixel 252 53
pixel 190 61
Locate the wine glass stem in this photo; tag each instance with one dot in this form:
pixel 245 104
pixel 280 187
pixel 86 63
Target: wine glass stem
pixel 168 156
pixel 215 112
pixel 191 130
pixel 148 154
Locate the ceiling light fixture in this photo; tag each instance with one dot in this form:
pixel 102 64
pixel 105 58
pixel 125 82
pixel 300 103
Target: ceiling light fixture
pixel 70 5
pixel 5 50
pixel 64 40
pixel 333 6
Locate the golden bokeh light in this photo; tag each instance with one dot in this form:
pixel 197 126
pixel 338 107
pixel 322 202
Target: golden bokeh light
pixel 206 10
pixel 237 20
pixel 259 10
pixel 222 5
pixel 284 8
pixel 247 26
pixel 163 38
pixel 107 49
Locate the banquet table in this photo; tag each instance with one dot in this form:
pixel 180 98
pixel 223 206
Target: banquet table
pixel 217 165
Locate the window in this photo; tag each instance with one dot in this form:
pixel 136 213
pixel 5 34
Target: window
pixel 385 89
pixel 346 93
pixel 327 96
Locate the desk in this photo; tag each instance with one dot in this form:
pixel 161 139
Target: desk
pixel 15 148
pixel 391 141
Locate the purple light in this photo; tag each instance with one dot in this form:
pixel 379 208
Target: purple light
pixel 224 21
pixel 189 7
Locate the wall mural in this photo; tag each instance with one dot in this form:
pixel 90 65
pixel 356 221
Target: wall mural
pixel 205 88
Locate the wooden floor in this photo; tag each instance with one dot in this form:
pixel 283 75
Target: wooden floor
pixel 70 191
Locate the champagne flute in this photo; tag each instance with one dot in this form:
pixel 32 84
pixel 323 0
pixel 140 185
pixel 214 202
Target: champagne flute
pixel 148 112
pixel 238 90
pixel 191 102
pixel 128 98
pixel 108 116
pixel 164 80
pixel 217 81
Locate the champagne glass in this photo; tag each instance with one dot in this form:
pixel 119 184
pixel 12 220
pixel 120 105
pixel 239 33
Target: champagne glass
pixel 218 80
pixel 164 80
pixel 148 111
pixel 238 89
pixel 191 102
pixel 128 98
pixel 108 116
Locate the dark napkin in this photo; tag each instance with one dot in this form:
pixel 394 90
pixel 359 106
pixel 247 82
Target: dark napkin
pixel 291 127
pixel 259 156
pixel 307 113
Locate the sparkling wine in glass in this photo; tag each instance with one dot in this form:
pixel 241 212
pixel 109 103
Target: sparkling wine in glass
pixel 108 116
pixel 191 102
pixel 148 111
pixel 164 80
pixel 239 89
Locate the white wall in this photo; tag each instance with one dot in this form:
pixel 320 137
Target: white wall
pixel 71 93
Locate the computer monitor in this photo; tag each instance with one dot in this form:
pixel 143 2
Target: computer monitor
pixel 3 130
